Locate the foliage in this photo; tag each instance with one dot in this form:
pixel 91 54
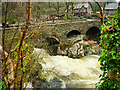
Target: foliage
pixel 12 21
pixel 110 57
pixel 53 10
pixel 65 17
pixel 82 18
pixel 72 10
pixel 15 60
pixel 2 86
pixel 95 15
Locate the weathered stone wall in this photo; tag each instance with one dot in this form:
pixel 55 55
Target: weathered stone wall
pixel 60 31
pixel 82 26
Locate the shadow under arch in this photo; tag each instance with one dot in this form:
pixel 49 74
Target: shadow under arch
pixel 73 33
pixel 93 33
pixel 52 43
pixel 52 40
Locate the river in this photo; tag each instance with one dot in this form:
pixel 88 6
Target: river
pixel 65 72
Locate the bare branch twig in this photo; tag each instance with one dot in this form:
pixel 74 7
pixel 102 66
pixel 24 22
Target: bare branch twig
pixel 20 45
pixel 101 12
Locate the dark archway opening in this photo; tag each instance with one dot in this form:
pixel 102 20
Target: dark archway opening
pixel 52 45
pixel 52 40
pixel 73 33
pixel 93 34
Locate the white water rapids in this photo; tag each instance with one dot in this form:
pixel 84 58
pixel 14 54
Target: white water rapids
pixel 65 72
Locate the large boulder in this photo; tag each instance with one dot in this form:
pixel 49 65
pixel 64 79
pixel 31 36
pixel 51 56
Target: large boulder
pixel 79 47
pixel 62 52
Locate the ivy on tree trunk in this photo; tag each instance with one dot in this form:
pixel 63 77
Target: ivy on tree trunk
pixel 110 57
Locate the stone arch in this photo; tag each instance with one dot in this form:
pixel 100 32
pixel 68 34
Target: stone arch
pixel 73 33
pixel 52 40
pixel 52 43
pixel 93 33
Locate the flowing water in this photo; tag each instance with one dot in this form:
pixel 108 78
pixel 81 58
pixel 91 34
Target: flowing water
pixel 65 72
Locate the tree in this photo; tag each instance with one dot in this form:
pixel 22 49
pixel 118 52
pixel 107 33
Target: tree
pixel 10 74
pixel 72 10
pixel 57 7
pixel 67 8
pixel 70 5
pixel 110 57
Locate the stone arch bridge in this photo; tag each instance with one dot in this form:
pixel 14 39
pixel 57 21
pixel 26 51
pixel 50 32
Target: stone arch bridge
pixel 65 30
pixel 60 33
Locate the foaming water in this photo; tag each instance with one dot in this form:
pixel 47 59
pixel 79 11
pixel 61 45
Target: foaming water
pixel 73 73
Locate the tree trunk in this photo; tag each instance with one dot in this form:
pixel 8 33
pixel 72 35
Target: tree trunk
pixel 58 8
pixel 67 7
pixel 72 8
pixel 20 45
pixel 3 50
pixel 112 75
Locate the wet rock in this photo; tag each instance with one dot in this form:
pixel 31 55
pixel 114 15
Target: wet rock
pixel 40 53
pixel 53 83
pixel 79 47
pixel 75 38
pixel 93 49
pixel 62 52
pixel 76 51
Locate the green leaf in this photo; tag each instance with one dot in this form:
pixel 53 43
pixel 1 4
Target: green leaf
pixel 117 45
pixel 113 57
pixel 117 37
pixel 115 69
pixel 108 22
pixel 23 42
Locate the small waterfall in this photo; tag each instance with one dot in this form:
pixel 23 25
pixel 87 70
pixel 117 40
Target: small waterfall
pixel 65 72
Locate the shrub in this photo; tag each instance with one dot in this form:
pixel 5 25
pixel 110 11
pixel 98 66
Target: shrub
pixel 13 21
pixel 86 16
pixel 95 15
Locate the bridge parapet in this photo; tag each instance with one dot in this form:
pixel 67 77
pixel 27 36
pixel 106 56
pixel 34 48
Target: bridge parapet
pixel 66 30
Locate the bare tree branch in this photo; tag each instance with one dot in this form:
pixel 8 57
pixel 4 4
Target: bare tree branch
pixel 3 49
pixel 20 45
pixel 101 12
